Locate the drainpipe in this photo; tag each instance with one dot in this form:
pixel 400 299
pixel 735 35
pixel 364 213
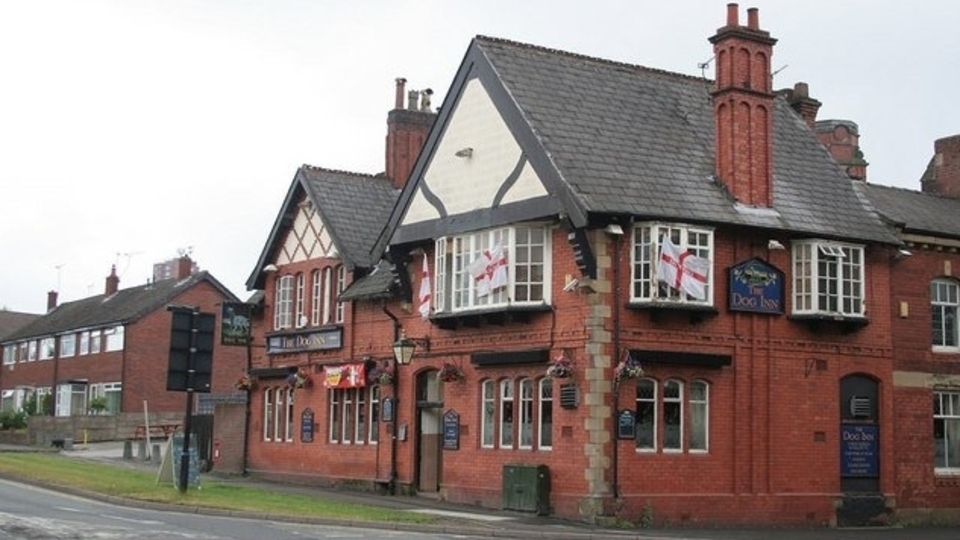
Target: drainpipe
pixel 396 409
pixel 616 358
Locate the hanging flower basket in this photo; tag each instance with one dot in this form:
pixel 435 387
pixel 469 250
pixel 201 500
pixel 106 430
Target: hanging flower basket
pixel 628 369
pixel 560 368
pixel 299 379
pixel 244 383
pixel 450 373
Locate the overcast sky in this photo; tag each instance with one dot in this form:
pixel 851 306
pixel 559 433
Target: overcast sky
pixel 133 130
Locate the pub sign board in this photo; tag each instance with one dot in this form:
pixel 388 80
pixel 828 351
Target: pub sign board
pixel 859 450
pixel 756 286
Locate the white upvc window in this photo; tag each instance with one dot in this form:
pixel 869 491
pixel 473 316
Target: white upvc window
pixel 524 280
pixel 699 416
pixel 645 258
pixel 507 412
pixel 289 422
pixel 84 343
pixel 48 347
pixel 95 341
pixel 946 432
pixel 354 415
pixel 283 303
pixel 9 354
pixel 68 345
pixel 646 415
pixel 114 339
pixel 268 413
pixel 828 278
pixel 31 350
pixel 944 305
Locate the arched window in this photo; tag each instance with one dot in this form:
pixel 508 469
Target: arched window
pixel 488 408
pixel 699 416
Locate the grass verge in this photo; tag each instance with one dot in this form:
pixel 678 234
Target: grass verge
pixel 57 470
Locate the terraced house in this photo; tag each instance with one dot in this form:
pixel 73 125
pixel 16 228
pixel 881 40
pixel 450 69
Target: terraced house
pixel 611 290
pixel 109 353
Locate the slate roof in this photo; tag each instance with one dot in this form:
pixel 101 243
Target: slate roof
pixel 914 211
pixel 353 206
pixel 11 321
pixel 630 140
pixel 380 284
pixel 125 306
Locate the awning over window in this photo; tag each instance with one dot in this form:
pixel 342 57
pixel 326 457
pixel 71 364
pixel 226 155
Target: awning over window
pixel 345 376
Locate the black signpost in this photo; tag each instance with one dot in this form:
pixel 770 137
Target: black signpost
pixel 190 366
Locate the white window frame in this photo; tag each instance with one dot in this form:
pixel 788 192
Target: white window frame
pixel 9 354
pixel 650 402
pixel 268 413
pixel 300 301
pixel 699 404
pixel 283 303
pixel 545 410
pixel 353 415
pixel 527 249
pixel 678 402
pixel 508 411
pixel 48 348
pixel 645 256
pixel 944 320
pixel 828 278
pixel 68 345
pixel 113 338
pixel 946 415
pixel 488 413
pixel 84 348
pixel 289 422
pixel 32 350
pixel 525 424
pixel 341 286
pixel 315 298
pixel 96 341
pixel 327 295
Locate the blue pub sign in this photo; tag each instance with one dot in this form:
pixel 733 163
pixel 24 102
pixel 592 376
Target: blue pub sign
pixel 756 286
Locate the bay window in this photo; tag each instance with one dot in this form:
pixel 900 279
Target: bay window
pixel 828 279
pixel 645 259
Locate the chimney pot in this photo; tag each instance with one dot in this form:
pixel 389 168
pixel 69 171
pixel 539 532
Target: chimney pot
pixel 733 15
pixel 401 82
pixel 413 98
pixel 753 18
pixel 801 89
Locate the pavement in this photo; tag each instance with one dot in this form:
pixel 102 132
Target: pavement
pixel 454 519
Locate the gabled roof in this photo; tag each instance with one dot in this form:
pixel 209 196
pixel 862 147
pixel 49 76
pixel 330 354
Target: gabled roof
pixel 125 306
pixel 613 139
pixel 914 211
pixel 353 206
pixel 11 321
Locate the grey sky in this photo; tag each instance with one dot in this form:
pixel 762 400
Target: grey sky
pixel 130 130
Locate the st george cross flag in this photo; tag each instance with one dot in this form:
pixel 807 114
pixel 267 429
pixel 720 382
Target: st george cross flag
pixel 478 269
pixel 682 271
pixel 497 268
pixel 425 289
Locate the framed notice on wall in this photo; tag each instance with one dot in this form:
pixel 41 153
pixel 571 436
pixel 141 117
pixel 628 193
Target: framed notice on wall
pixel 306 425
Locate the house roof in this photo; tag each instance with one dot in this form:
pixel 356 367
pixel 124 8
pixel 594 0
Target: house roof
pixel 614 139
pixel 380 284
pixel 915 212
pixel 11 321
pixel 353 207
pixel 125 306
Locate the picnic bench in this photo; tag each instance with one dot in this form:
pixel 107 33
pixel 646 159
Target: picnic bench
pixel 157 430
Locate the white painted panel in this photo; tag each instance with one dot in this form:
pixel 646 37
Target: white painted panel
pixel 470 183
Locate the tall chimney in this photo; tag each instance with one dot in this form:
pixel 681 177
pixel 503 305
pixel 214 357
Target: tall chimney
pixel 51 300
pixel 743 108
pixel 407 130
pixel 842 139
pixel 113 282
pixel 943 173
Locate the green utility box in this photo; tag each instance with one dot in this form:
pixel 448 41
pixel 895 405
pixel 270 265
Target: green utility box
pixel 526 488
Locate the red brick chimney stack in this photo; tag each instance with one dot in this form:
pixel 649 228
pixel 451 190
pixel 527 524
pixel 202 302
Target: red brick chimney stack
pixel 943 174
pixel 184 267
pixel 51 300
pixel 407 130
pixel 113 282
pixel 743 108
pixel 799 98
pixel 842 139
